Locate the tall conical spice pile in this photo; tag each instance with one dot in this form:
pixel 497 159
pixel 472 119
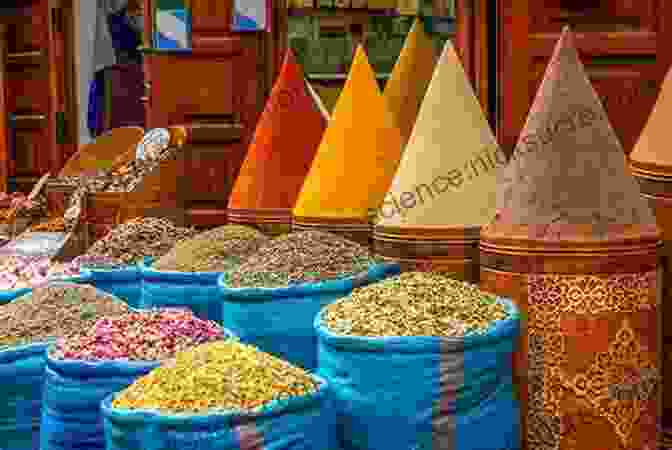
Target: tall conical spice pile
pixel 651 163
pixel 355 162
pixel 283 147
pixel 576 247
pixel 410 77
pixel 444 189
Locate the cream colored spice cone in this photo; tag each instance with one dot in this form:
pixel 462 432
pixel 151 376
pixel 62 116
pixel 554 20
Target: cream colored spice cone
pixel 447 175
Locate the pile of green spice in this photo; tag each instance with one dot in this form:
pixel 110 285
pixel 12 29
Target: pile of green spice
pixel 54 310
pixel 150 335
pixel 302 257
pixel 223 375
pixel 415 304
pixel 216 250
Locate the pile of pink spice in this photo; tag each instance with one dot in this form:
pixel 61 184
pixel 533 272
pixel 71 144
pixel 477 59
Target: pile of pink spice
pixel 151 335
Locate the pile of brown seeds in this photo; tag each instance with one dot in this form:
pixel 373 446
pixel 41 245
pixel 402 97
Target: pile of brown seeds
pixel 55 310
pixel 302 257
pixel 415 304
pixel 38 208
pixel 129 176
pixel 217 250
pixel 223 375
pixel 123 179
pixel 55 224
pixel 140 237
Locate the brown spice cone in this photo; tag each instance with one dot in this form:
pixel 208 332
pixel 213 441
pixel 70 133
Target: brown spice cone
pixel 569 167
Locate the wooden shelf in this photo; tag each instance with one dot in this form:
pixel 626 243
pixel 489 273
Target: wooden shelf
pixel 349 12
pixel 339 76
pixel 28 58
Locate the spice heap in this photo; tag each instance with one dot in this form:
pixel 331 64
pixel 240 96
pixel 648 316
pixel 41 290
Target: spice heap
pixel 123 179
pixel 54 311
pixel 224 375
pixel 302 257
pixel 128 177
pixel 18 272
pixel 99 262
pixel 415 304
pixel 216 250
pixel 140 336
pixel 55 224
pixel 140 237
pixel 21 206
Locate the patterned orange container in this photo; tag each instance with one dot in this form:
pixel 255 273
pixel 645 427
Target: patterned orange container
pixel 658 190
pixel 588 361
pixel 651 163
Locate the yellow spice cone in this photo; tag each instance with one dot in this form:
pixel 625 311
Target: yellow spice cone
pixel 408 83
pixel 358 154
pixel 652 149
pixel 447 176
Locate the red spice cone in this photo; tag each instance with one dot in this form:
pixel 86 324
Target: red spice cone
pixel 286 139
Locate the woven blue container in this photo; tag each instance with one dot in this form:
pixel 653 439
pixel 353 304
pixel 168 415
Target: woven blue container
pixel 73 392
pixel 299 423
pixel 401 393
pixel 280 320
pixel 123 283
pixel 197 291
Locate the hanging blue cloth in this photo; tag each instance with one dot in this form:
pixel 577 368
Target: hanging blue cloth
pixel 123 35
pixel 96 104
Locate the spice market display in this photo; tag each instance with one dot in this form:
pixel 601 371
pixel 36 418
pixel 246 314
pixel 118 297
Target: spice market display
pixel 302 257
pixel 217 250
pixel 284 329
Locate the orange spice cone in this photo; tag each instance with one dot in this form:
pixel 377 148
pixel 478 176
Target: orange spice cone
pixel 410 77
pixel 283 147
pixel 357 157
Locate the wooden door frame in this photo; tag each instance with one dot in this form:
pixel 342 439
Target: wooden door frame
pixel 512 113
pixel 472 42
pixel 71 19
pixel 4 135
